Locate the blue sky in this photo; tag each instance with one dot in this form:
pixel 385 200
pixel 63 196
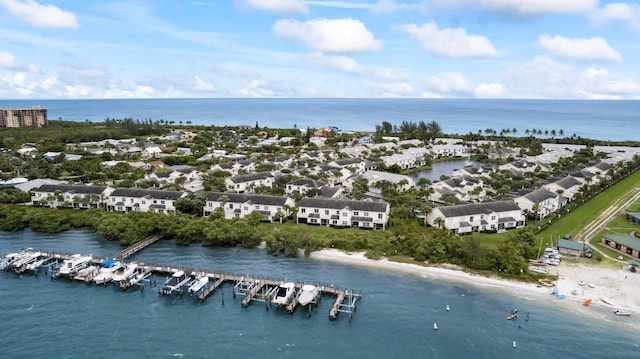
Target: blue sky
pixel 569 49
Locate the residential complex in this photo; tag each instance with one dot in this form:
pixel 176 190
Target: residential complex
pixel 23 117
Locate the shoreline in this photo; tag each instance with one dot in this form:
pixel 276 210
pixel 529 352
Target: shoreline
pixel 617 286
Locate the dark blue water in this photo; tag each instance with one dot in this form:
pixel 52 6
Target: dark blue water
pixel 438 169
pixel 394 319
pixel 604 120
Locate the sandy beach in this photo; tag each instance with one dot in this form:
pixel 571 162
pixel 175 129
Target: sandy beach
pixel 619 287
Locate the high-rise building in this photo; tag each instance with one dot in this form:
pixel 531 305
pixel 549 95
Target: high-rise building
pixel 23 117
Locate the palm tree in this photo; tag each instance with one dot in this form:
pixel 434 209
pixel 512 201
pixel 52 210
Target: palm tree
pixel 439 222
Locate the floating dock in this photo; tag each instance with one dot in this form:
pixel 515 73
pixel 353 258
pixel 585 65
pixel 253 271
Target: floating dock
pixel 253 288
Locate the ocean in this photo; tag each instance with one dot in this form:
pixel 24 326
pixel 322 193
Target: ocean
pixel 595 119
pixel 63 319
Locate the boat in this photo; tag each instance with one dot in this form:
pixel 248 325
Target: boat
pixel 284 293
pixel 435 326
pixel 447 308
pixel 28 257
pixel 591 285
pixel 86 274
pixel 124 272
pixel 512 316
pixel 574 291
pixel 199 283
pixel 582 283
pixel 606 300
pixel 105 275
pixel 624 313
pixel 72 265
pixel 561 296
pixel 10 259
pixel 138 277
pixel 308 295
pixel 540 270
pixel 587 302
pixel 174 283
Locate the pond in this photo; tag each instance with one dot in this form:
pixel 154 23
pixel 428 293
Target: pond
pixel 442 168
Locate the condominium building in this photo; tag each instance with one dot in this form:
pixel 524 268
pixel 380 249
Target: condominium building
pixel 23 117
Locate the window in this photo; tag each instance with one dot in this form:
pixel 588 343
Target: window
pixel 162 201
pixel 471 219
pixel 379 215
pixel 315 210
pixel 345 214
pixel 303 210
pixel 493 218
pixel 366 214
pixel 344 223
pixel 326 212
pixel 246 208
pixel 355 213
pixel 257 207
pixel 144 202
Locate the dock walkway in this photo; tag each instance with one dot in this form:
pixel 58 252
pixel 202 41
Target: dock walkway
pixel 254 288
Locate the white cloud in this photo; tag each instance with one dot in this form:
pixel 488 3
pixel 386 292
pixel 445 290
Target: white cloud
pixel 82 74
pixel 453 43
pixel 593 49
pixel 49 82
pixel 280 6
pixel 335 35
pixel 78 91
pixel 389 88
pixel 601 84
pixel 623 12
pixel 337 4
pixel 255 88
pixel 8 61
pixel 523 8
pixel 144 91
pixel 202 85
pixel 342 63
pixel 448 84
pixel 489 90
pixel 38 15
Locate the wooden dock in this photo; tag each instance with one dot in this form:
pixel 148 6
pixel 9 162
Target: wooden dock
pixel 253 288
pixel 136 247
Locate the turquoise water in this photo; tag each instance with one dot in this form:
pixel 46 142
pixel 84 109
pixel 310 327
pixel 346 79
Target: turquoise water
pixel 603 120
pixel 394 319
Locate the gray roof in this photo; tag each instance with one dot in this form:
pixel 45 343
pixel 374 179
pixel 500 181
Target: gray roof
pixel 307 182
pixel 141 192
pixel 478 208
pixel 321 202
pixel 249 198
pixel 568 182
pixel 68 188
pixel 347 161
pixel 540 195
pixel 250 177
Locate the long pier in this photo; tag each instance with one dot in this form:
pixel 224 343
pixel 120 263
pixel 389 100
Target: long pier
pixel 253 288
pixel 136 247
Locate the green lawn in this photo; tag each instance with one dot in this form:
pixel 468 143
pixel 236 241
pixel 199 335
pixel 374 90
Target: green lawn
pixel 572 222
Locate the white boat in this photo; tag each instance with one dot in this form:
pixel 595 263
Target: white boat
pixel 284 293
pixel 606 300
pixel 139 276
pixel 624 313
pixel 308 295
pixel 87 274
pixel 198 284
pixel 435 326
pixel 106 271
pixel 10 259
pixel 124 272
pixel 25 259
pixel 72 265
pixel 540 270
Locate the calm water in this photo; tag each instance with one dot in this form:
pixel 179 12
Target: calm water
pixel 394 319
pixel 438 169
pixel 604 120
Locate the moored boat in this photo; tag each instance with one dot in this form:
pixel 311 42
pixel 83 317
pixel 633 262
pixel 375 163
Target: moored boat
pixel 106 271
pixel 624 313
pixel 198 284
pixel 309 294
pixel 284 293
pixel 606 300
pixel 72 265
pixel 512 316
pixel 587 302
pixel 124 272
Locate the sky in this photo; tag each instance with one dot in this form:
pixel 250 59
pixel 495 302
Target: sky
pixel 531 49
